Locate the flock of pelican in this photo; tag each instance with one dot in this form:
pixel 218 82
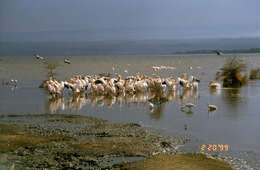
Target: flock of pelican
pixel 132 86
pixel 114 86
pixel 150 99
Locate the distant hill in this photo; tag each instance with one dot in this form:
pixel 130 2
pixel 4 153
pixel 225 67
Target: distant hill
pixel 128 47
pixel 233 51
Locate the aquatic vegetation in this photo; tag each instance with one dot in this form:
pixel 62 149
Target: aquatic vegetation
pixel 254 74
pixel 233 73
pixel 51 69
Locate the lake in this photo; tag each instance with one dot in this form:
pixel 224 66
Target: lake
pixel 235 122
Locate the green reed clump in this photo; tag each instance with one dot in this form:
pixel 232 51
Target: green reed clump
pixel 233 73
pixel 254 74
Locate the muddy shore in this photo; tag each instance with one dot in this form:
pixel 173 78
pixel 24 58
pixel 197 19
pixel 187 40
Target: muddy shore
pixel 63 141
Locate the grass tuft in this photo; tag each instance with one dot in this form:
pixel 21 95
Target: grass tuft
pixel 232 73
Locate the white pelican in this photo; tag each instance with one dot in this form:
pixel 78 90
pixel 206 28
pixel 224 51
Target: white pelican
pixel 120 87
pixel 100 89
pixel 67 61
pixel 171 83
pixel 55 87
pixel 71 86
pixel 141 86
pixel 110 88
pixel 213 85
pixel 156 68
pixel 194 82
pixel 129 86
pixel 14 82
pixel 151 105
pixel 212 107
pixel 183 83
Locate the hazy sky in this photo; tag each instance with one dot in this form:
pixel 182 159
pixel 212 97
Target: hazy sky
pixel 144 19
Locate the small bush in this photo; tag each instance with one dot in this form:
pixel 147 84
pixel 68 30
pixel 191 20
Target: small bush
pixel 231 73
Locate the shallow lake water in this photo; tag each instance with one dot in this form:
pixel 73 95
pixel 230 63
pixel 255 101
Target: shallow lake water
pixel 235 122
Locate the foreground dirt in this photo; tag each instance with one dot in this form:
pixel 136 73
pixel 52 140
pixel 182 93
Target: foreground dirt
pixel 79 142
pixel 180 162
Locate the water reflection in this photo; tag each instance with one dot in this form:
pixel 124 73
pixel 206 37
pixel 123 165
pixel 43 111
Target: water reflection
pixel 215 92
pixel 159 100
pixel 75 102
pixel 188 112
pixel 157 112
pixel 232 95
pixel 189 96
pixel 233 101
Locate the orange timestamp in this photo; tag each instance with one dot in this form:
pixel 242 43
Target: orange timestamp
pixel 215 147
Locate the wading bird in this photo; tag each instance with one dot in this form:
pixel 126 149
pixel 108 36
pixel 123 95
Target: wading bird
pixel 214 85
pixel 67 61
pixel 212 107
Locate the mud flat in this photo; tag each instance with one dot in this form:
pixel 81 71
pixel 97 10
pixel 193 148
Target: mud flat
pixel 63 141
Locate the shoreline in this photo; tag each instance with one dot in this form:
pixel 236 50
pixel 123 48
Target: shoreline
pixel 58 141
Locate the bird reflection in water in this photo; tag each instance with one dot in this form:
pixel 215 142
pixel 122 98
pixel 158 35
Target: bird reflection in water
pixel 75 102
pixel 79 100
pixel 188 97
pixel 215 92
pixel 157 112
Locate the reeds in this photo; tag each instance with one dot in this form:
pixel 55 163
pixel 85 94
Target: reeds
pixel 232 73
pixel 50 68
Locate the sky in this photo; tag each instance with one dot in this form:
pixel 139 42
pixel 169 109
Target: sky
pixel 129 19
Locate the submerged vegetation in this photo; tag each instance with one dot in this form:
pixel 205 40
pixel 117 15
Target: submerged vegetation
pixel 233 73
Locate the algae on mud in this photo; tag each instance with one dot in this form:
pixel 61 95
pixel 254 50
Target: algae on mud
pixel 80 142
